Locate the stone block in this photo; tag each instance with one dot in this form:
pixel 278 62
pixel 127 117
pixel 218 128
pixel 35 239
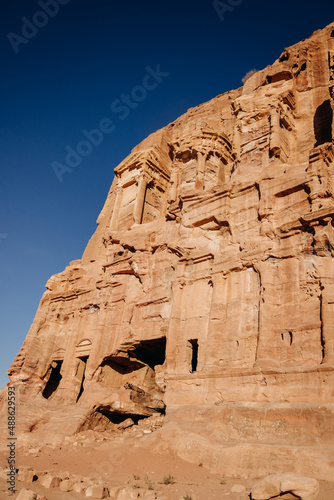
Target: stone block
pixel 278 484
pixel 25 494
pixel 26 476
pixel 97 491
pixel 113 491
pixel 50 482
pixel 79 487
pixel 66 485
pixel 128 493
pixel 126 424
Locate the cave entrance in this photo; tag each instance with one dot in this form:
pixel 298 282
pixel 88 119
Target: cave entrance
pixel 323 119
pixel 193 358
pixel 136 369
pixel 53 380
pixel 80 374
pixel 151 352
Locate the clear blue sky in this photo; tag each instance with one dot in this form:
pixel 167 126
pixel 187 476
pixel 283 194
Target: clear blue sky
pixel 64 78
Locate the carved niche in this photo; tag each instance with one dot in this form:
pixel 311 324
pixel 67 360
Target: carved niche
pixel 201 160
pixel 142 180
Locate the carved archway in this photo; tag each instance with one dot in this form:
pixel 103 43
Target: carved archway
pixel 83 348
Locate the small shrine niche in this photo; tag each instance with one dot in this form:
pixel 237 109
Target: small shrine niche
pixel 281 128
pixel 331 64
pixel 201 161
pixel 153 202
pixel 215 173
pixel 140 192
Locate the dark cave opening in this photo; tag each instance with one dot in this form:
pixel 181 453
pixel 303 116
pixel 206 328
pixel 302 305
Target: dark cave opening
pixel 323 120
pixel 54 379
pixel 151 352
pixel 194 355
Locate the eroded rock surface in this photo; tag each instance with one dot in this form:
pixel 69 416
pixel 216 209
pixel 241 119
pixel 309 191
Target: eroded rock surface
pixel 207 290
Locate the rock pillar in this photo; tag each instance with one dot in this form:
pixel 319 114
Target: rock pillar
pixel 117 206
pixel 275 141
pixel 201 159
pixel 140 199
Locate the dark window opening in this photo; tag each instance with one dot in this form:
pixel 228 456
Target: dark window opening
pixel 194 354
pixel 81 369
pixel 332 34
pixel 151 352
pixel 322 122
pixel 284 57
pixel 54 379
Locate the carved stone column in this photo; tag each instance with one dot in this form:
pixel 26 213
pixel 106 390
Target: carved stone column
pixel 173 184
pixel 201 159
pixel 237 142
pixel 117 206
pixel 140 199
pixel 331 91
pixel 275 141
pixel 327 317
pixel 173 354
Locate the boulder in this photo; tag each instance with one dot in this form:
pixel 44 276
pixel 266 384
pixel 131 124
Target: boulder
pixel 25 494
pixel 113 491
pixel 66 485
pixel 274 485
pixel 128 493
pixel 149 495
pixel 126 424
pixel 97 491
pixel 50 481
pixel 79 487
pixel 26 476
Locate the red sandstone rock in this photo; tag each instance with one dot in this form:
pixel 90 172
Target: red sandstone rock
pixel 66 485
pixel 26 495
pixel 97 491
pixel 50 481
pixel 208 286
pixel 127 494
pixel 272 486
pixel 26 476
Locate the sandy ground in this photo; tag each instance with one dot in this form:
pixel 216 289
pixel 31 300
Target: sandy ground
pixel 118 462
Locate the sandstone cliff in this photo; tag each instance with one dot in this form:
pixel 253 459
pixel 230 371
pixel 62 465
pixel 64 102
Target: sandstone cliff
pixel 207 290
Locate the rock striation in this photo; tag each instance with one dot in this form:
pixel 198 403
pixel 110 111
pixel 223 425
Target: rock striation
pixel 207 290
